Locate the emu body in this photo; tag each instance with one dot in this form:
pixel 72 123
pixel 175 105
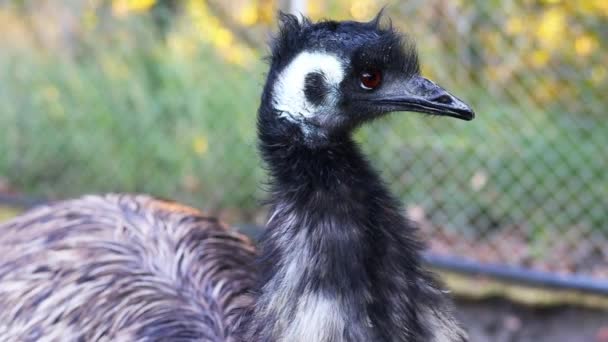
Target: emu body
pixel 338 261
pixel 121 268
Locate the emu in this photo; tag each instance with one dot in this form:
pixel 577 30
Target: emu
pixel 338 261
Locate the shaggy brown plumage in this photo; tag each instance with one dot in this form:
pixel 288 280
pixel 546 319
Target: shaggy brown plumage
pixel 121 268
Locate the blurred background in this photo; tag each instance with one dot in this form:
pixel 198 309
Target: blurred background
pixel 160 96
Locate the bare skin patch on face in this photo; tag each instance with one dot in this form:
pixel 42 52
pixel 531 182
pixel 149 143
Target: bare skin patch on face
pixel 307 85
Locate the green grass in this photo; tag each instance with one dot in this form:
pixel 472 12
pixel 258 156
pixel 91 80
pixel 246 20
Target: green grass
pixel 132 114
pixel 127 116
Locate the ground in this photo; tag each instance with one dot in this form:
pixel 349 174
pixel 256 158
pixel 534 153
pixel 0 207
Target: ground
pixel 498 320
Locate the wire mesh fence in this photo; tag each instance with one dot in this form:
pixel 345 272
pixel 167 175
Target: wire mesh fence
pixel 161 96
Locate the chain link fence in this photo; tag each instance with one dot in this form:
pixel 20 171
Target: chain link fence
pixel 161 97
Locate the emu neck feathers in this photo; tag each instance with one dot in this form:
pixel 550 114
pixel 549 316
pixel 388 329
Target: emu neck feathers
pixel 333 228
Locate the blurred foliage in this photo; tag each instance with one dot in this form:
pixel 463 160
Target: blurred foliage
pixel 160 96
pixel 121 110
pixel 552 37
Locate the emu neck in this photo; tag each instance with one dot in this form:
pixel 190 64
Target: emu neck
pixel 324 243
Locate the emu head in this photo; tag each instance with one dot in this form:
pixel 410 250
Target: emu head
pixel 329 77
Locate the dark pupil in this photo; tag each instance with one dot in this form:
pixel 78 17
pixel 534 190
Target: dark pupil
pixel 371 79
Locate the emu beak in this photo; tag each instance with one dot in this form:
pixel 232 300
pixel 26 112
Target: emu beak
pixel 418 94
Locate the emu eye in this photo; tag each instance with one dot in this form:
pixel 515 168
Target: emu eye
pixel 370 79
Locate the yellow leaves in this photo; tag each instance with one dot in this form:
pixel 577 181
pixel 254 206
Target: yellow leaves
pixel 236 55
pixel 493 41
pixel 212 30
pixel 121 8
pixel 200 145
pixel 248 15
pixel 553 31
pixel 548 91
pixel 316 9
pixel 551 28
pixel 89 19
pixel 592 7
pixel 585 45
pixel 266 11
pixel 515 25
pixel 222 37
pixel 363 9
pixel 539 58
pixel 601 6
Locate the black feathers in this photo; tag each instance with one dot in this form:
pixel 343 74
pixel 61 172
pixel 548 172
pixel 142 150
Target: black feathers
pixel 339 261
pixel 315 87
pixel 288 37
pixel 370 42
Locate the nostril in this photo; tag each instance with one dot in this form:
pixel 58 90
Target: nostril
pixel 444 99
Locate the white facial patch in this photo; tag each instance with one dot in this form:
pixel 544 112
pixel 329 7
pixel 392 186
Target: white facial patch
pixel 288 93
